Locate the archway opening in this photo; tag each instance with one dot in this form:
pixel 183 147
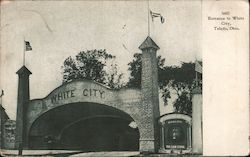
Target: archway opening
pixel 84 126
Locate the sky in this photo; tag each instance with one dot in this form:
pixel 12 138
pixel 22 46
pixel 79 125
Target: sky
pixel 58 29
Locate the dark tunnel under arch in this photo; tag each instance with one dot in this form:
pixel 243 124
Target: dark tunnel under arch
pixel 84 126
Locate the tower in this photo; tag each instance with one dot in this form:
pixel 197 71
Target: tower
pixel 150 98
pixel 22 102
pixel 197 120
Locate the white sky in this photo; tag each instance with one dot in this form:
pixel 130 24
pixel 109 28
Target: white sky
pixel 58 29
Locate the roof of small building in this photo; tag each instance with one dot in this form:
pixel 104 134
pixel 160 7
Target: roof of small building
pixel 3 112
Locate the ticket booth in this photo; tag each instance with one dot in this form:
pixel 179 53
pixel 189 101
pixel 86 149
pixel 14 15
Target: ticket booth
pixel 175 134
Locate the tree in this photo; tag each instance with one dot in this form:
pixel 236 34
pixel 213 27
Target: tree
pixel 92 65
pixel 172 79
pixel 113 79
pixel 180 80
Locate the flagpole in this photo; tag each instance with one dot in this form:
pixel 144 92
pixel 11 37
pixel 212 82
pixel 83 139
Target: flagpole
pixel 148 20
pixel 24 49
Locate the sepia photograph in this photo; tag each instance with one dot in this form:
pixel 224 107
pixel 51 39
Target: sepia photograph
pixel 101 78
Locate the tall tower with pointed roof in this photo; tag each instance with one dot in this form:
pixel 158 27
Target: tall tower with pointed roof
pixel 22 102
pixel 150 97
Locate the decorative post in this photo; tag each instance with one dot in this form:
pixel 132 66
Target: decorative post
pixel 197 120
pixel 22 102
pixel 150 139
pixel 1 126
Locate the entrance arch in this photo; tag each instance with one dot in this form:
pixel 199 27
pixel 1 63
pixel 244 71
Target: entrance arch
pixel 141 104
pixel 84 126
pixel 128 102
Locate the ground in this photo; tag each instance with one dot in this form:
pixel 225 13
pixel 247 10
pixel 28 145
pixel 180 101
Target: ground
pixel 64 153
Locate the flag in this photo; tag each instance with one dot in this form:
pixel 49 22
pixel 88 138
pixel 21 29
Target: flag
pixel 154 15
pixel 198 66
pixel 27 46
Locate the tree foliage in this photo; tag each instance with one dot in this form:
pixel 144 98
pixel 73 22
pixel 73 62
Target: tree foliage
pixel 92 65
pixel 98 65
pixel 178 80
pixel 113 79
